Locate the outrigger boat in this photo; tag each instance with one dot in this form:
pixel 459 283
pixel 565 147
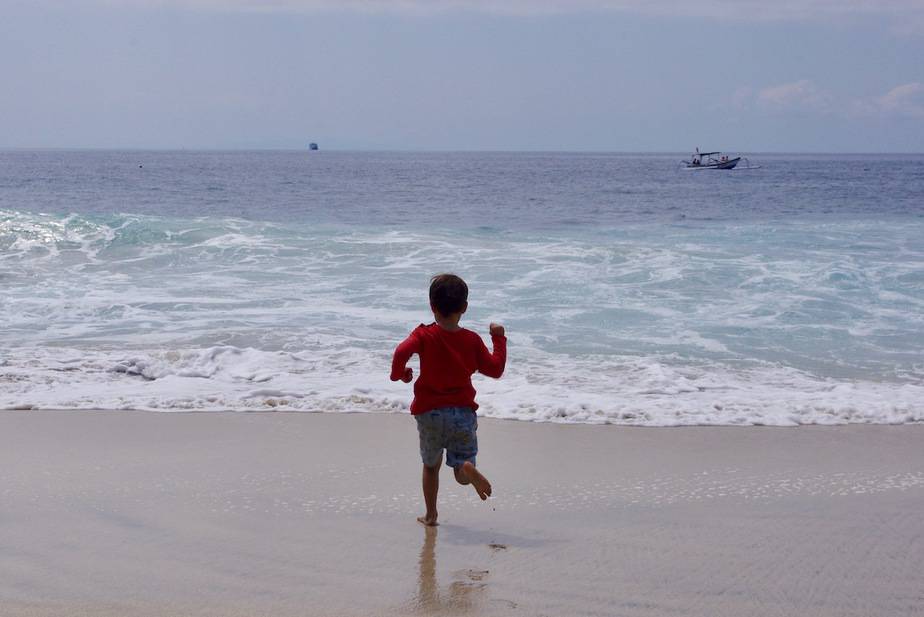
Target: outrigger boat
pixel 711 160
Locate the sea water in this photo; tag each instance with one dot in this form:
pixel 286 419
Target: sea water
pixel 633 291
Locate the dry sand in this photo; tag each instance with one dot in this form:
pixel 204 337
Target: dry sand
pixel 125 513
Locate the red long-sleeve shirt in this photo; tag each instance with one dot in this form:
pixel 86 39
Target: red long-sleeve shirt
pixel 448 359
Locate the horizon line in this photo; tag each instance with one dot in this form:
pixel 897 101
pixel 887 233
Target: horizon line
pixel 429 150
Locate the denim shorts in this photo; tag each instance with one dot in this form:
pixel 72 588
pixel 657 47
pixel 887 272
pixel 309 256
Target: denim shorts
pixel 452 428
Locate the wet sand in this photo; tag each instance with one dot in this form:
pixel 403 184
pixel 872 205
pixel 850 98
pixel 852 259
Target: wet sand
pixel 126 513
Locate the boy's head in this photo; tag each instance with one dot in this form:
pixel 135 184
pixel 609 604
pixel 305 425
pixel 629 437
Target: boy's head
pixel 448 294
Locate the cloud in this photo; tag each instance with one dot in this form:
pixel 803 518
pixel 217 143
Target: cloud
pixel 802 95
pixel 757 10
pixel 904 100
pixel 805 96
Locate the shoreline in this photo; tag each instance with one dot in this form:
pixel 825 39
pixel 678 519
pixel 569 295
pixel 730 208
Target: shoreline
pixel 294 513
pixel 282 410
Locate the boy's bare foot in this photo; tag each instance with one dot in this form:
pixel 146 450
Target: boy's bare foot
pixel 481 484
pixel 428 521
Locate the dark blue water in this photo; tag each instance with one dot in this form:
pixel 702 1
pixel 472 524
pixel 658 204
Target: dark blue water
pixel 504 191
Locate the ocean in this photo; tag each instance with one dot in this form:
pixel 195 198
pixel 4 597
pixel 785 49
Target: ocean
pixel 633 292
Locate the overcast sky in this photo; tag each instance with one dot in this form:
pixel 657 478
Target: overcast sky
pixel 614 75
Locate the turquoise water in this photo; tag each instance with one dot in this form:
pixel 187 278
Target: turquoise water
pixel 633 292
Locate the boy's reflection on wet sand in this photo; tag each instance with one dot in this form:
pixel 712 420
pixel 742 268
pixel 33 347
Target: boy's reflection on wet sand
pixel 464 593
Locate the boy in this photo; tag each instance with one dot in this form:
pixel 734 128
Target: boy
pixel 444 399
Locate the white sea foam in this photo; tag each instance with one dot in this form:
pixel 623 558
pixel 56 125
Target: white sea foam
pixel 537 387
pixel 661 327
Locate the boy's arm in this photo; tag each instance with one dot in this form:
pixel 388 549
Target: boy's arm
pixel 407 348
pixel 492 364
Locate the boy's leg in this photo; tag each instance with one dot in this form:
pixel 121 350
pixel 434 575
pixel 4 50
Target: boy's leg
pixel 430 429
pixel 461 478
pixel 462 450
pixel 467 473
pixel 431 486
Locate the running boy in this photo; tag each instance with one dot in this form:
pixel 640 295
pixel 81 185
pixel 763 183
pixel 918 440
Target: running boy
pixel 444 399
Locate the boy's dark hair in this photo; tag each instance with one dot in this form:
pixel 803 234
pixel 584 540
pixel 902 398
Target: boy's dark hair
pixel 448 294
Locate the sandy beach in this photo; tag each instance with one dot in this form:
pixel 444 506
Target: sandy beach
pixel 283 514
